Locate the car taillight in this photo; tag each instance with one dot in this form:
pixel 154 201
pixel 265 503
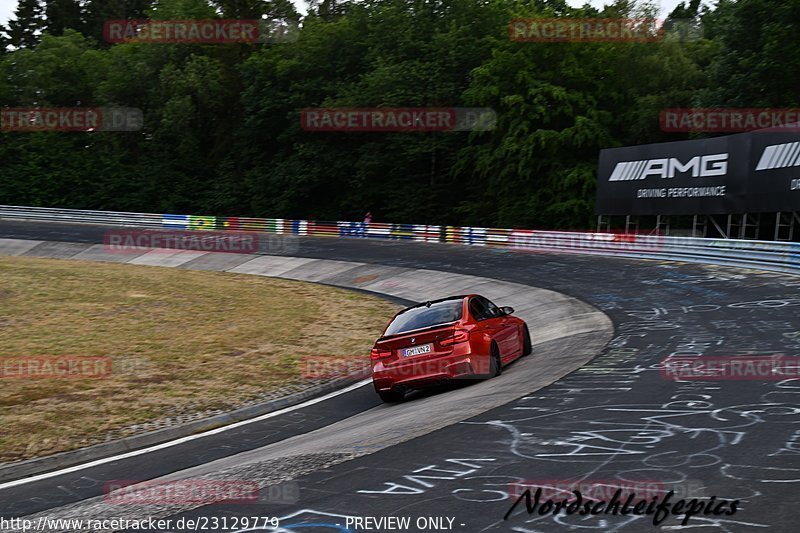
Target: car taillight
pixel 378 353
pixel 459 335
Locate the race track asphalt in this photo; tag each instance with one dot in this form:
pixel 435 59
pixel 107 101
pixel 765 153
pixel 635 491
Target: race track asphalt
pixel 617 419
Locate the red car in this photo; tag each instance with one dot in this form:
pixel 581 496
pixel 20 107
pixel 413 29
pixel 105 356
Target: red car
pixel 453 338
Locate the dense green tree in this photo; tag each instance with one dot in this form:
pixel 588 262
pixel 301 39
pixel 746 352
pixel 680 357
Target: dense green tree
pixel 97 12
pixel 328 9
pixel 23 30
pixel 758 64
pixel 60 72
pixel 61 15
pixel 177 9
pixel 222 131
pixel 255 9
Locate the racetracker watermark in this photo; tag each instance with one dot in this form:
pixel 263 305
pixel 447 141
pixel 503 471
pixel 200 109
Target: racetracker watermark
pixel 79 119
pixel 132 241
pixel 403 119
pixel 585 30
pixel 61 367
pixel 239 242
pixel 330 367
pixel 387 365
pixel 583 242
pixel 198 492
pixel 721 120
pixel 200 31
pixel 597 489
pixel 733 368
pixel 188 491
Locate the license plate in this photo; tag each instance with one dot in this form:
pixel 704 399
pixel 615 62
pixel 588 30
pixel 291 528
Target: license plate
pixel 417 350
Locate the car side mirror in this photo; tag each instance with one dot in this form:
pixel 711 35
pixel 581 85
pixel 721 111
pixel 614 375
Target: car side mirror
pixel 507 310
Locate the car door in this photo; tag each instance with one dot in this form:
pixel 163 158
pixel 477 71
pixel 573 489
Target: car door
pixel 506 333
pixel 488 323
pixel 486 330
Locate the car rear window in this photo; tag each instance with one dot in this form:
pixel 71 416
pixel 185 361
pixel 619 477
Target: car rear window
pixel 425 317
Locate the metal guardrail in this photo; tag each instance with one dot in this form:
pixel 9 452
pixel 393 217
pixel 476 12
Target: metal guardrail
pixel 113 218
pixel 763 255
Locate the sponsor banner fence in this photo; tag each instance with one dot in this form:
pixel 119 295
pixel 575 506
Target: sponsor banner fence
pixel 268 225
pixel 426 233
pixel 377 230
pixel 498 237
pixel 584 242
pixel 202 222
pixel 175 221
pixel 323 229
pixel 466 235
pixel 769 255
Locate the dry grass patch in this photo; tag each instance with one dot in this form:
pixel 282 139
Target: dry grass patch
pixel 180 341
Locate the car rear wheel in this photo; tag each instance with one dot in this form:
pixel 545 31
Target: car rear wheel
pixel 527 348
pixel 391 396
pixel 495 363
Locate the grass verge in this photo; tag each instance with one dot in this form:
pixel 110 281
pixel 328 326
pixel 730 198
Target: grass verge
pixel 182 344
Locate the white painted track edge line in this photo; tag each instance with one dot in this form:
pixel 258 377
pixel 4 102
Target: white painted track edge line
pixel 181 440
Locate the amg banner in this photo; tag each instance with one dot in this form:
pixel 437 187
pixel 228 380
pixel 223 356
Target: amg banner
pixel 745 173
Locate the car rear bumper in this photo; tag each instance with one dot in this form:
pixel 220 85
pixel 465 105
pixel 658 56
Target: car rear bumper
pixel 418 374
